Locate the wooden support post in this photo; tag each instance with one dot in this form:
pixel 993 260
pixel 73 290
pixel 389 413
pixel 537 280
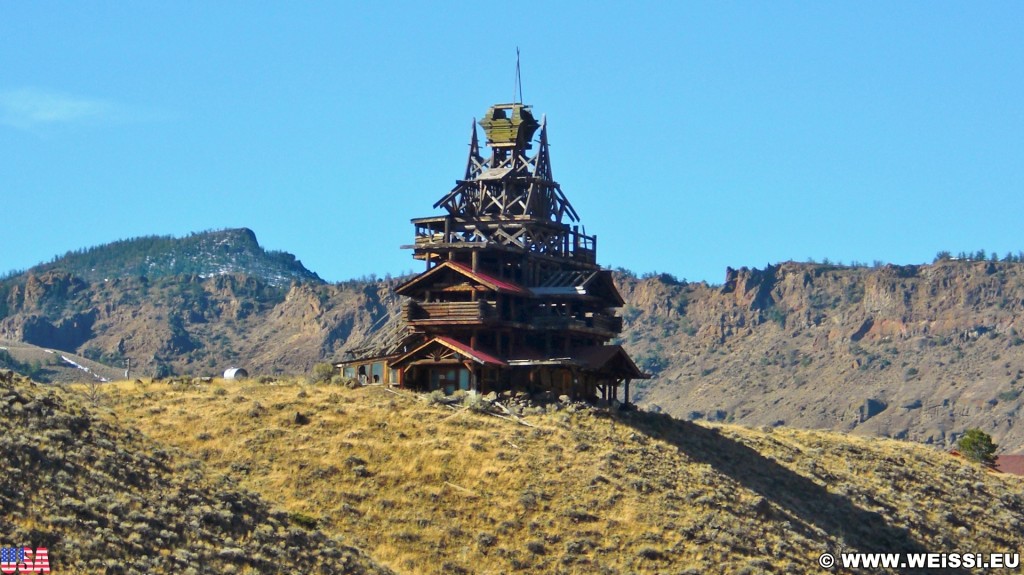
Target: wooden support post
pixel 472 375
pixel 627 393
pixel 476 260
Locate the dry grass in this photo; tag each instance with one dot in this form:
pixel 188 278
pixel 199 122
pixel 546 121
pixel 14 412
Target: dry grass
pixel 104 499
pixel 427 489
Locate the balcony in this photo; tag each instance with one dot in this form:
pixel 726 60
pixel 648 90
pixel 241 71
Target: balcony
pixel 419 313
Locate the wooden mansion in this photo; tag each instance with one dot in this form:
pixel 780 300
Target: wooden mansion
pixel 512 297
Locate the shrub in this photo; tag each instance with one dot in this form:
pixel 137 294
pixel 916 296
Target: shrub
pixel 476 402
pixel 322 372
pixel 977 446
pixel 303 520
pixel 776 314
pixel 1009 395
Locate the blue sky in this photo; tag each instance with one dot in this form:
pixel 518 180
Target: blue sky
pixel 689 136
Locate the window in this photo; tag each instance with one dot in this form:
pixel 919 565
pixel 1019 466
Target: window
pixel 449 379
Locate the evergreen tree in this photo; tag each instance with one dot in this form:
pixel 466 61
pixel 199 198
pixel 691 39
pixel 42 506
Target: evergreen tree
pixel 977 446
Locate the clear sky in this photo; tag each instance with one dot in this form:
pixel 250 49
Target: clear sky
pixel 689 136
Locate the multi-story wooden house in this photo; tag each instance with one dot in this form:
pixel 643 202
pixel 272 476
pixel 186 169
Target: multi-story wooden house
pixel 512 297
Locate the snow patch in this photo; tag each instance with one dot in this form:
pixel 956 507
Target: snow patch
pixel 68 360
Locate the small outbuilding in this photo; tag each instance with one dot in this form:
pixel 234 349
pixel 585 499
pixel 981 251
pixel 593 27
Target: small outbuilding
pixel 235 373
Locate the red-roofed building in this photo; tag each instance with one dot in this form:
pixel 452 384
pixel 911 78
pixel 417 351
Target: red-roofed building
pixel 512 296
pixel 1011 464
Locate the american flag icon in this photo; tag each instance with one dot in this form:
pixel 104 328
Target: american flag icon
pixel 11 558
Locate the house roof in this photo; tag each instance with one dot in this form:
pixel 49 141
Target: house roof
pixel 581 283
pixel 476 355
pixel 484 279
pixel 593 358
pixel 1011 464
pixel 601 356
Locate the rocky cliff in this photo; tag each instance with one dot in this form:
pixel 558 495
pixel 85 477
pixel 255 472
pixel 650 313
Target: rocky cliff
pixel 194 305
pixel 917 352
pixel 195 325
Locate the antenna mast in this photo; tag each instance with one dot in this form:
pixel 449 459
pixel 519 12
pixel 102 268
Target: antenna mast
pixel 517 90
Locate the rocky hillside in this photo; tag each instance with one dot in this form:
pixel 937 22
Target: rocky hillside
pixel 913 352
pixel 102 498
pixel 431 489
pixel 206 254
pixel 201 304
pixel 195 325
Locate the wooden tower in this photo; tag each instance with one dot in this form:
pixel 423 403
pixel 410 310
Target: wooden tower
pixel 512 297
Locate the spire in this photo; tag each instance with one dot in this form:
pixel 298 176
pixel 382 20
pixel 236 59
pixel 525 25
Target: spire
pixel 474 165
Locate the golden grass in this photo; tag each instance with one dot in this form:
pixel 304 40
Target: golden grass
pixel 425 489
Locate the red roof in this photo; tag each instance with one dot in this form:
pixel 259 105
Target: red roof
pixel 456 346
pixel 481 278
pixel 1011 464
pixel 476 354
pixel 500 285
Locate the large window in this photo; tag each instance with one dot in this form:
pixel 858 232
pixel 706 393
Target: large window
pixel 449 379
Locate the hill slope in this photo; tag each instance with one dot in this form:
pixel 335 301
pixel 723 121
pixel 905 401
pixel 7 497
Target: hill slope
pixel 104 499
pixel 194 305
pixel 205 254
pixel 915 352
pixel 429 489
pixel 52 366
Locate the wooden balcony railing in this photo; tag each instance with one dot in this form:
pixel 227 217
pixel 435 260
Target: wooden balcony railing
pixel 454 311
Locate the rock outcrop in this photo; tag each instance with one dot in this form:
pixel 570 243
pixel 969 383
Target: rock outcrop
pixel 816 345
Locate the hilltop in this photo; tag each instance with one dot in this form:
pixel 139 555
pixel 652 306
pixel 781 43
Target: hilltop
pixel 103 498
pixel 204 254
pixel 434 489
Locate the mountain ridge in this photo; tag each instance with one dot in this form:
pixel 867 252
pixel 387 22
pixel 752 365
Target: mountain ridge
pixel 919 352
pixel 205 254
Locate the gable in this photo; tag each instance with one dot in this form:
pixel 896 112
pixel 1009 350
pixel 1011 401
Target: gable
pixel 455 277
pixel 440 349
